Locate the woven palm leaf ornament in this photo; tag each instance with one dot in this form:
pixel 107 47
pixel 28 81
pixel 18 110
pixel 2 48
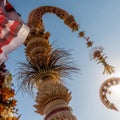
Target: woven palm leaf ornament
pixel 47 67
pixel 105 91
pixel 97 54
pixel 41 55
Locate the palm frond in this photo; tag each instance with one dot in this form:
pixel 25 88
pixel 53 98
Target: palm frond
pixel 58 65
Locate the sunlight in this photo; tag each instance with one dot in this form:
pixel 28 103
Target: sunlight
pixel 116 73
pixel 110 93
pixel 114 95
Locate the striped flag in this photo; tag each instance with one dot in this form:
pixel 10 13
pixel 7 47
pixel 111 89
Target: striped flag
pixel 13 31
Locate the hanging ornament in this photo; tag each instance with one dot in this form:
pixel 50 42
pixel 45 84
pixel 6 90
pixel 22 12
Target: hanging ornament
pixel 106 90
pixel 97 54
pixel 89 43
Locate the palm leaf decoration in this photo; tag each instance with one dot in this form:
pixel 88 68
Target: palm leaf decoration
pixel 55 66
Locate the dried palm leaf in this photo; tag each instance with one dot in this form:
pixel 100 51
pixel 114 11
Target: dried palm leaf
pixel 54 66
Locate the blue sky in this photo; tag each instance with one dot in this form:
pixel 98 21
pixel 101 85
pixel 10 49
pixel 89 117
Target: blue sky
pixel 100 19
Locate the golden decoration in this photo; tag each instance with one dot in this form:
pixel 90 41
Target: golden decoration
pixel 97 54
pixel 104 90
pixel 7 101
pixel 47 67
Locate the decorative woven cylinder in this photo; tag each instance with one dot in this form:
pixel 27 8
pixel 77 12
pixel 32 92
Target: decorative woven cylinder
pixel 53 101
pixel 60 114
pixel 37 46
pixel 58 110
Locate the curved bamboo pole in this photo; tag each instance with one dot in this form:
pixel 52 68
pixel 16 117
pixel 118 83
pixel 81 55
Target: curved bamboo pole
pixel 47 66
pixel 35 18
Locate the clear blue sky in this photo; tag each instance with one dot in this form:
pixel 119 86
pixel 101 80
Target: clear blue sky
pixel 101 21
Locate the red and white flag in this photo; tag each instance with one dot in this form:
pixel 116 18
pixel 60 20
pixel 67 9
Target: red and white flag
pixel 13 31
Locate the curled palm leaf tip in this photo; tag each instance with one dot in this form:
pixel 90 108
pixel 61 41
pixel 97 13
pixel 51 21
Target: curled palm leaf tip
pixel 70 21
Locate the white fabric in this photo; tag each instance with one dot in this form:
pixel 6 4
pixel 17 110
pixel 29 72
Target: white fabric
pixel 15 43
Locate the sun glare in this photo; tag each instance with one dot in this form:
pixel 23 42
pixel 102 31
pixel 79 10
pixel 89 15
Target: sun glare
pixel 114 95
